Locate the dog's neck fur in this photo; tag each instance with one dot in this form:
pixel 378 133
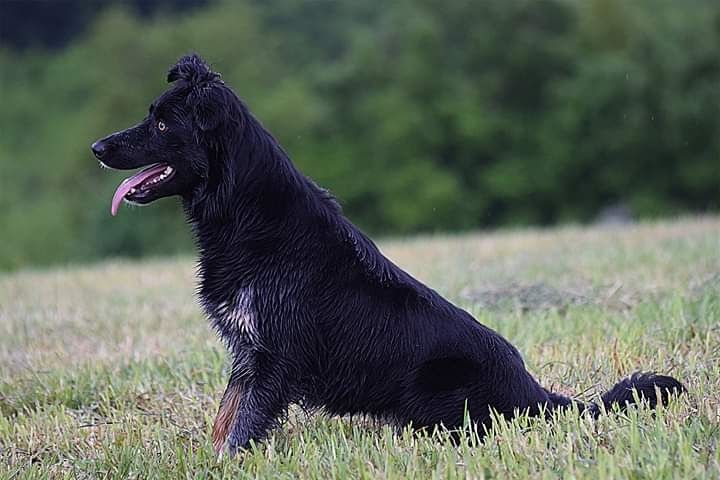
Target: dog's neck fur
pixel 256 210
pixel 246 217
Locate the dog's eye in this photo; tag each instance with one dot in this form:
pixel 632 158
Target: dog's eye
pixel 161 126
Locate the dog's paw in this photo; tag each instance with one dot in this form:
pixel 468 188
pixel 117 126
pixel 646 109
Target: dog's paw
pixel 230 452
pixel 237 445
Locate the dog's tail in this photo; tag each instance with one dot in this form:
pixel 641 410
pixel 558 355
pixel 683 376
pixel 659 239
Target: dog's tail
pixel 646 387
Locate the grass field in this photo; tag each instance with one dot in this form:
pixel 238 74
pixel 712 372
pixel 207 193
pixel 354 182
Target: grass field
pixel 112 371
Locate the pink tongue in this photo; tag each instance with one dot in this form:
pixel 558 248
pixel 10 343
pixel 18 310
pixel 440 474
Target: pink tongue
pixel 133 182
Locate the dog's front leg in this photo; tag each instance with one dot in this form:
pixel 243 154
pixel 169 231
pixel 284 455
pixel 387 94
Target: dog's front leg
pixel 229 407
pixel 253 401
pixel 265 398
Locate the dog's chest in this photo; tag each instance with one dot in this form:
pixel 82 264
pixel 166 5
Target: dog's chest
pixel 235 318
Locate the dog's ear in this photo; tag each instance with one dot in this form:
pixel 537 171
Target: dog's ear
pixel 204 97
pixel 207 106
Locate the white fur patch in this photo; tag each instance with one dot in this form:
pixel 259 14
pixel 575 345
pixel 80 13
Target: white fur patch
pixel 238 314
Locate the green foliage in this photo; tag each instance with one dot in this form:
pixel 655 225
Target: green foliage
pixel 420 116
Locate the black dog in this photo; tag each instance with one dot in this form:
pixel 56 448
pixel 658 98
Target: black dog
pixel 311 311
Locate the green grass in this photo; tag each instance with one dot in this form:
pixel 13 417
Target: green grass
pixel 111 370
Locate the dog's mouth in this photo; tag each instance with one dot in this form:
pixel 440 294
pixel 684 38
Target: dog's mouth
pixel 140 187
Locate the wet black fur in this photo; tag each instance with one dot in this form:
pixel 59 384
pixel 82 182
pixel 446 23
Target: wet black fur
pixel 338 325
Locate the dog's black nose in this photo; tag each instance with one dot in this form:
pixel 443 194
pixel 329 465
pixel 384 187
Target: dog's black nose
pixel 98 148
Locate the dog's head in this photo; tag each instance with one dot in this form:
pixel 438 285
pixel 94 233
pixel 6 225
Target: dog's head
pixel 170 143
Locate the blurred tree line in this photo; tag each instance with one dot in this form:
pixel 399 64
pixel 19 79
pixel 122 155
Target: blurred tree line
pixel 420 115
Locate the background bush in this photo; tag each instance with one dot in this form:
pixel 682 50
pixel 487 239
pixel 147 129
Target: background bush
pixel 420 115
